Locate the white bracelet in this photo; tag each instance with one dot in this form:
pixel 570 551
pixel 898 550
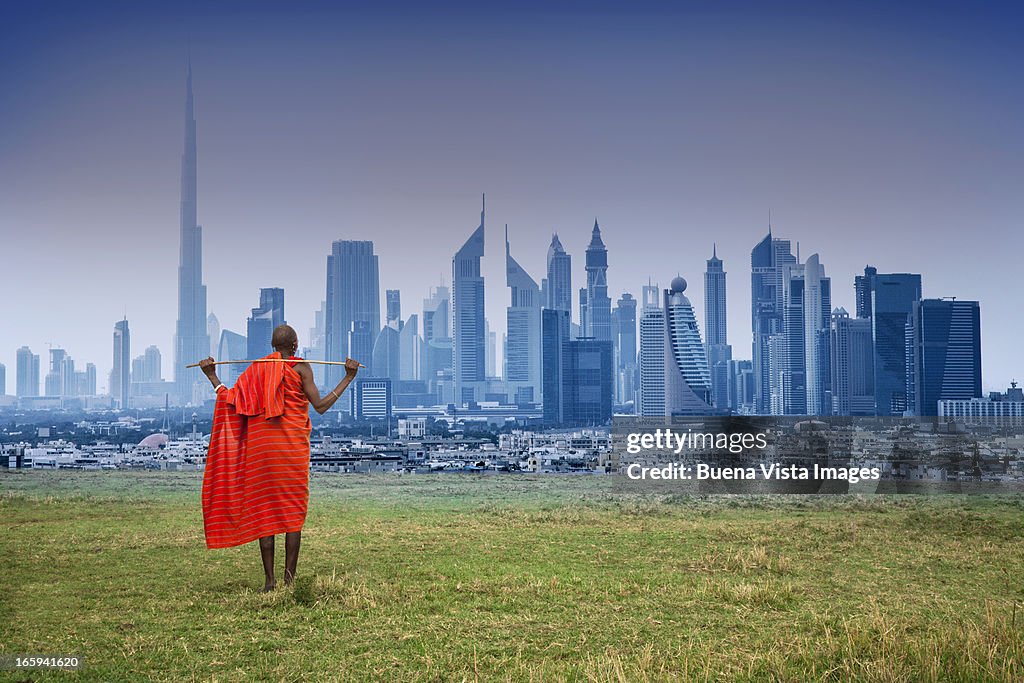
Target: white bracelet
pixel 217 388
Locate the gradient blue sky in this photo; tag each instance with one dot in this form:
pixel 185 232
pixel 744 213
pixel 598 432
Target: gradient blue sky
pixel 875 134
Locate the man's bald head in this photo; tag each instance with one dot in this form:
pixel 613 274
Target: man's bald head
pixel 284 338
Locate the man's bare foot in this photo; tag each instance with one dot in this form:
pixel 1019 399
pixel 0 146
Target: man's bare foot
pixel 289 579
pixel 269 586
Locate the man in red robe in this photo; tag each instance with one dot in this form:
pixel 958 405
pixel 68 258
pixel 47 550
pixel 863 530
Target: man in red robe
pixel 256 482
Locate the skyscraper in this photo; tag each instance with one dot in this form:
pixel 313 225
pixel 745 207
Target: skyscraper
pixel 741 387
pixel 767 260
pixel 27 373
pixel 523 350
pixel 469 350
pixel 944 349
pixel 715 323
pixel 191 342
pixel 152 364
pixel 554 334
pixel 492 349
pixel 360 345
pixel 437 344
pixel 120 377
pixel 717 343
pixel 888 300
pixel 652 355
pixel 783 389
pixel 862 286
pixel 596 305
pixel 213 332
pixel 138 369
pixel 68 377
pixel 393 306
pixel 55 385
pixel 317 344
pixel 87 381
pixel 387 354
pixel 788 382
pixel 800 372
pixel 687 379
pixel 232 346
pixel 353 296
pixel 817 309
pixel 559 277
pixel 435 314
pixel 411 349
pixel 586 381
pixel 852 359
pixel 262 321
pixel 624 338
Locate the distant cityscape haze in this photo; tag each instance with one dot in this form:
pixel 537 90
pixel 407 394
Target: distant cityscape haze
pixel 889 136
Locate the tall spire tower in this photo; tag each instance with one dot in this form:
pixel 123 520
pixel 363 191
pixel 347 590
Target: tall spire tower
pixel 595 304
pixel 559 280
pixel 191 341
pixel 715 301
pixel 716 341
pixel 469 351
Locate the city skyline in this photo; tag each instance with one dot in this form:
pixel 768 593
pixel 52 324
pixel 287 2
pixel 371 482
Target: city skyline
pixel 851 221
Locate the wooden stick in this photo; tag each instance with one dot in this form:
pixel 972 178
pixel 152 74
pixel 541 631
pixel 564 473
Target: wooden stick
pixel 276 360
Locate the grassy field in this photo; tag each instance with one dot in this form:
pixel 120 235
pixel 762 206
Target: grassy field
pixel 449 577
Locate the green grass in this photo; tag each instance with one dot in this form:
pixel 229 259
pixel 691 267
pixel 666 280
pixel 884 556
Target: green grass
pixel 440 578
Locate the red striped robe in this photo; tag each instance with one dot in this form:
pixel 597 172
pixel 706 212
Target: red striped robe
pixel 256 481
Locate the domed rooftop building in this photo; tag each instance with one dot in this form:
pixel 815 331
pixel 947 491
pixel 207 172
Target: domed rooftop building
pixel 153 442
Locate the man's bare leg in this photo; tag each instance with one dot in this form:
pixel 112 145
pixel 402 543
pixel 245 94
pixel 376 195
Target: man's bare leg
pixel 267 555
pixel 292 541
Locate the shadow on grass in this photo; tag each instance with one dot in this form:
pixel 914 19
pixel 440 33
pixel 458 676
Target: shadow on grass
pixel 303 590
pixel 338 592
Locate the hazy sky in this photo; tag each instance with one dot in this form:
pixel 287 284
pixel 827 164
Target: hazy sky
pixel 881 134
